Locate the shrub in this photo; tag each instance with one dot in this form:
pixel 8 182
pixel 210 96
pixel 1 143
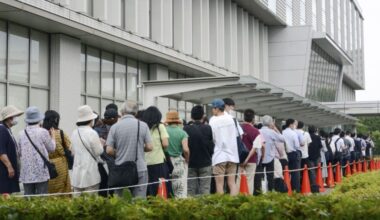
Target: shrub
pixel 357 197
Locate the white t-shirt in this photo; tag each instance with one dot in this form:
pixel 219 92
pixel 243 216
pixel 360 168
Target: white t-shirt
pixel 257 145
pixel 339 145
pixel 224 134
pixel 352 142
pixel 306 140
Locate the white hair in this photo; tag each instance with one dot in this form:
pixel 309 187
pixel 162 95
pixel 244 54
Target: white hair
pixel 267 120
pixel 129 107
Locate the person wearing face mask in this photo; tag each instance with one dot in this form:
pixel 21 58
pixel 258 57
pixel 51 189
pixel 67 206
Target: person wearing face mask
pixel 293 149
pixel 9 173
pixel 229 109
pixel 86 148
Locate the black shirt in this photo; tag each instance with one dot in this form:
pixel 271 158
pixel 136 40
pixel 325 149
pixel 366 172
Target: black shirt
pixel 201 144
pixel 315 147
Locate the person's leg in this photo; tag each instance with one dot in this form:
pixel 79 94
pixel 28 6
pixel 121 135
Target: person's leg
pixel 42 188
pixel 192 182
pixel 257 179
pixel 140 191
pixel 29 189
pixel 219 170
pixel 312 172
pixel 231 179
pixel 250 169
pixel 269 167
pixel 205 183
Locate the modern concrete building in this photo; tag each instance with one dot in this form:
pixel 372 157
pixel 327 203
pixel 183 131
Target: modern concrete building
pixel 279 57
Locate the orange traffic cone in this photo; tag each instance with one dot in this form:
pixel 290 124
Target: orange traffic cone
pixel 364 166
pixel 306 189
pixel 287 180
pixel 320 179
pixel 330 177
pixel 354 168
pixel 338 173
pixel 371 165
pixel 359 167
pixel 348 169
pixel 244 185
pixel 162 192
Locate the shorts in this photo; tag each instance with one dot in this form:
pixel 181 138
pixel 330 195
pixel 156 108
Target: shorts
pixel 225 168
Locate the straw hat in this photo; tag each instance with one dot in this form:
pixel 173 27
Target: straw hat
pixel 33 115
pixel 85 113
pixel 9 112
pixel 173 117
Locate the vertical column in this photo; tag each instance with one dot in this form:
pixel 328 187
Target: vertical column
pixel 265 72
pixel 137 17
pixel 114 12
pixel 217 32
pixel 243 50
pixel 182 22
pixel 329 28
pixel 100 9
pixel 296 12
pixel 230 24
pixel 201 34
pixel 65 70
pixel 162 21
pixel 261 55
pixel 159 72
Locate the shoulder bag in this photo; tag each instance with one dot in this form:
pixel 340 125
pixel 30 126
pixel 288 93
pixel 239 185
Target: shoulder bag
pixel 168 161
pixel 242 149
pixel 125 174
pixel 51 166
pixel 68 154
pixel 102 171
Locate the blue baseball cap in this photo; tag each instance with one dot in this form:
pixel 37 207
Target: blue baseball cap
pixel 217 103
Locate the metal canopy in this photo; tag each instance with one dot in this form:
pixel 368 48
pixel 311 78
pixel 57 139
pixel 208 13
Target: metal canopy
pixel 247 92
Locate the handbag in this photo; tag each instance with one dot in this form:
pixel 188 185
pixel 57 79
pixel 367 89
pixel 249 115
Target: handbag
pixel 51 166
pixel 242 149
pixel 125 174
pixel 68 154
pixel 168 161
pixel 102 171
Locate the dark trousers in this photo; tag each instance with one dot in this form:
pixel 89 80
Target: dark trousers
pixel 155 172
pixel 294 164
pixel 269 168
pixel 36 188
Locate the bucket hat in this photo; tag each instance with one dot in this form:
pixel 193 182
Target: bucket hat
pixel 85 113
pixel 33 115
pixel 173 117
pixel 9 112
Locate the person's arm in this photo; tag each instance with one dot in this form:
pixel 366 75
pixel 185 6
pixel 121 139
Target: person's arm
pixel 49 140
pixel 96 145
pixel 185 149
pixel 110 149
pixel 164 136
pixel 148 146
pixel 210 141
pixel 301 139
pixel 5 160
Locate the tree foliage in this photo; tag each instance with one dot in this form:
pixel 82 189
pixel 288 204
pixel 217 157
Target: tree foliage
pixel 370 125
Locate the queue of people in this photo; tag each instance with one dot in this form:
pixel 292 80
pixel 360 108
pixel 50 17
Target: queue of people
pixel 199 157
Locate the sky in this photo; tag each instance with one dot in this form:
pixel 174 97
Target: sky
pixel 371 13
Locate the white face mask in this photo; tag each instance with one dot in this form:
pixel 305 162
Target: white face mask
pixel 232 112
pixel 14 121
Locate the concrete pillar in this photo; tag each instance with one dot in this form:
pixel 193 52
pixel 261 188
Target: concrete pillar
pixel 137 17
pixel 100 9
pixel 201 32
pixel 158 72
pixel 162 22
pixel 182 21
pixel 114 13
pixel 65 92
pixel 230 23
pixel 217 32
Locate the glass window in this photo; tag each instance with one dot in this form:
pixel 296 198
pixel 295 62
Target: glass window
pixel 107 74
pixel 93 71
pixel 39 98
pixel 94 103
pixel 18 96
pixel 39 54
pixel 120 78
pixel 289 12
pixel 2 95
pixel 83 100
pixel 143 76
pixel 3 49
pixel 132 80
pixel 18 56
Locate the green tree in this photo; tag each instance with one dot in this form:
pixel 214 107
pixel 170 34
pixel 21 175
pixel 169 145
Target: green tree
pixel 370 125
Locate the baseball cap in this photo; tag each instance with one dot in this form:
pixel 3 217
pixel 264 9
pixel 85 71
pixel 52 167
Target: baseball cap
pixel 217 103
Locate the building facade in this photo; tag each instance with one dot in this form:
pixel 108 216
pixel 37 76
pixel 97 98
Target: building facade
pixel 59 54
